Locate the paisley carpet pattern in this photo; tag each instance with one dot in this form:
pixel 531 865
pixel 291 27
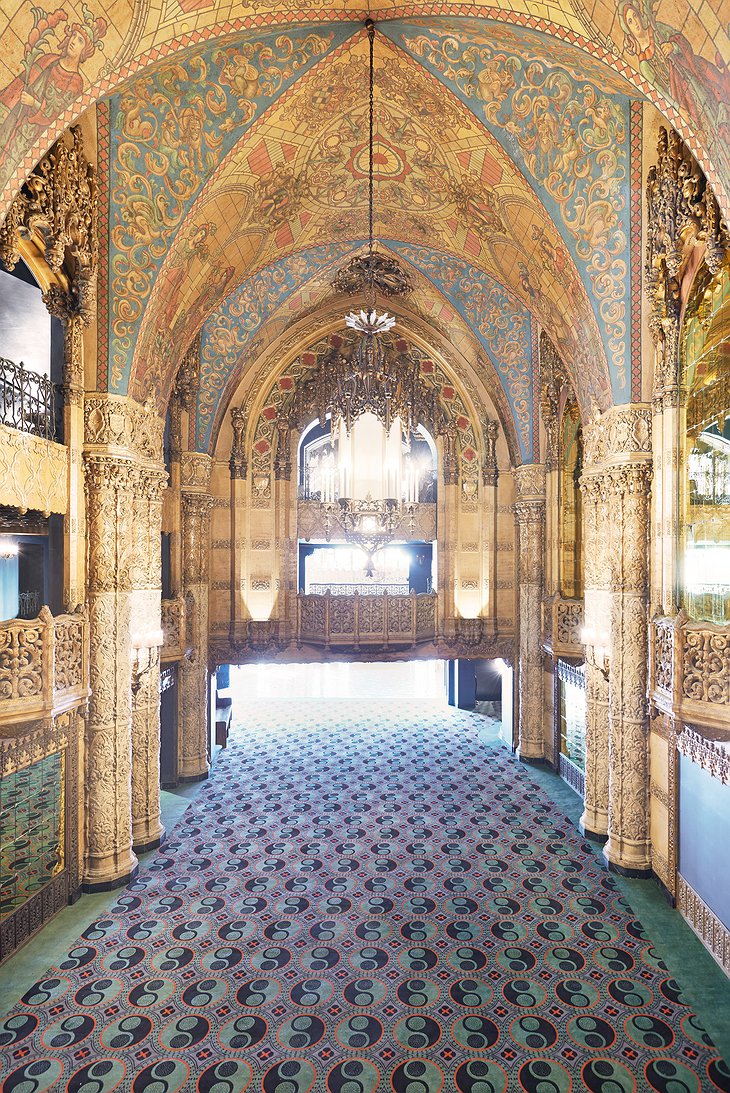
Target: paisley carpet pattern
pixel 358 901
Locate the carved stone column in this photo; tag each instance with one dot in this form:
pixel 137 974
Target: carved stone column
pixel 110 485
pixel 594 821
pixel 147 830
pixel 629 845
pixel 193 719
pixel 447 532
pixel 238 465
pixel 530 516
pixel 490 478
pixel 63 306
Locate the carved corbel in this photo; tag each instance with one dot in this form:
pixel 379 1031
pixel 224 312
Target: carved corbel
pixel 238 463
pixel 681 208
pixel 59 203
pixel 490 471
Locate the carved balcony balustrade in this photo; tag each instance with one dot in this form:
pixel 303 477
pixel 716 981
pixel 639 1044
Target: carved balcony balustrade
pixel 690 670
pixel 174 630
pixel 356 621
pixel 563 624
pixel 43 666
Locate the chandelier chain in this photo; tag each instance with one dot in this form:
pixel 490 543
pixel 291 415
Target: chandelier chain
pixel 371 189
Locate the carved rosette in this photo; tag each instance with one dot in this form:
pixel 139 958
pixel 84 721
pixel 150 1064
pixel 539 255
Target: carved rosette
pixel 530 517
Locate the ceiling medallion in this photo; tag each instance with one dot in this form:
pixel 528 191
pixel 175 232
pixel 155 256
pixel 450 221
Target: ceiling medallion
pixel 389 278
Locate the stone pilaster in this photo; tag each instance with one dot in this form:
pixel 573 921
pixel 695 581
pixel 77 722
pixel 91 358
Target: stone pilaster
pixel 238 465
pixel 448 533
pixel 109 859
pixel 629 844
pixel 530 517
pixel 594 821
pixel 147 830
pixel 193 715
pixel 62 305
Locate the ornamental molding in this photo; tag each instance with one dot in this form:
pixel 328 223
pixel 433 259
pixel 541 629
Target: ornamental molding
pixel 59 203
pixel 117 422
pixel 704 922
pixel 387 274
pixel 620 435
pixel 711 755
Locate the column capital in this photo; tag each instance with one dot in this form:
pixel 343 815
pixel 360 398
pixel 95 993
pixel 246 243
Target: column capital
pixel 529 481
pixel 620 435
pixel 195 472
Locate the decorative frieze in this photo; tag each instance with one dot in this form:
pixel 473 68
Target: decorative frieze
pixel 705 923
pixel 708 754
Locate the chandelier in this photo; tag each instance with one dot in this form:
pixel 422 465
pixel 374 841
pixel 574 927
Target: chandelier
pixel 369 371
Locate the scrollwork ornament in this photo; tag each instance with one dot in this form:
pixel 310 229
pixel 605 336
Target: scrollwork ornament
pixel 59 203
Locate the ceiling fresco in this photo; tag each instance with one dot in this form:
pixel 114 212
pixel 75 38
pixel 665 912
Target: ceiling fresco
pixel 569 136
pixel 169 132
pixel 297 179
pixel 445 289
pixel 59 59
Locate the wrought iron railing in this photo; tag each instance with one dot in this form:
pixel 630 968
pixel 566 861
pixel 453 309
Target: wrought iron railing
pixel 29 402
pixel 29 604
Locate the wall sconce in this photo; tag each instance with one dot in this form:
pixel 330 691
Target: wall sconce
pixel 8 548
pixel 145 655
pixel 598 649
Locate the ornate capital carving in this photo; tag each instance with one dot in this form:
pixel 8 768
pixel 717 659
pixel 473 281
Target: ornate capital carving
pixel 238 463
pixel 622 433
pixel 195 471
pixel 530 481
pixel 117 422
pixel 59 203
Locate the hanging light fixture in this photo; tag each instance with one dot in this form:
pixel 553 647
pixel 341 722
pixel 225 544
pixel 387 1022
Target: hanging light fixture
pixel 370 323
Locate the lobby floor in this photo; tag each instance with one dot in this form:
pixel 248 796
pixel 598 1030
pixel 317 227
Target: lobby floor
pixel 368 895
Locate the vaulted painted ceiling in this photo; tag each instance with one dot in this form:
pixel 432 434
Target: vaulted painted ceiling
pixel 508 178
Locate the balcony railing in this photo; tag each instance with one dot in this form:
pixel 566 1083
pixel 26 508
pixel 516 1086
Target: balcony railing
pixel 690 669
pixel 354 621
pixel 43 666
pixel 29 402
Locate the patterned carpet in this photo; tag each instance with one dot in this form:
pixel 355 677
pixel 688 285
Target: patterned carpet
pixel 361 903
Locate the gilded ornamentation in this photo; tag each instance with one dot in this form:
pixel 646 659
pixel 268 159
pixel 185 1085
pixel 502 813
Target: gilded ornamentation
pixel 388 276
pixel 351 621
pixel 195 470
pixel 663 667
pixel 682 209
pixel 33 472
pixel 238 463
pixel 553 377
pixel 59 203
pixel 21 660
